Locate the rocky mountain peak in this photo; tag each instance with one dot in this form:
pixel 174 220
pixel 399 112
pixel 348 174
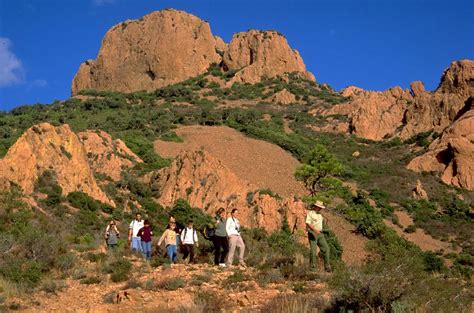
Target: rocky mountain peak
pixel 169 46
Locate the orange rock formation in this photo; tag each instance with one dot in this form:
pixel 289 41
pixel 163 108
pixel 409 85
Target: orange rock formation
pixel 170 46
pixel 206 183
pixel 107 156
pixel 45 147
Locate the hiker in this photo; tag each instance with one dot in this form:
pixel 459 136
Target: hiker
pixel 177 229
pixel 111 235
pixel 133 240
pixel 220 238
pixel 189 239
pixel 314 226
pixel 235 239
pixel 145 234
pixel 170 238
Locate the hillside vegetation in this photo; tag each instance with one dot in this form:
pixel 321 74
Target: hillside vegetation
pixel 399 276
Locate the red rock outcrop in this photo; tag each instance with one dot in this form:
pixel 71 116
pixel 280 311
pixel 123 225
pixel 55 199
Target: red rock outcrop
pixel 162 48
pixel 256 54
pixel 169 46
pixel 206 183
pixel 283 97
pixel 419 192
pixel 377 115
pixel 452 154
pixel 106 155
pixel 45 147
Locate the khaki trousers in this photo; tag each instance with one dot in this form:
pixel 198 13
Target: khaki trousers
pixel 235 241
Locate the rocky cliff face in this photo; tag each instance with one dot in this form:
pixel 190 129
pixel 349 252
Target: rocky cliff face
pixel 452 154
pixel 256 54
pixel 106 155
pixel 45 147
pixel 170 46
pixel 161 48
pixel 396 112
pixel 206 183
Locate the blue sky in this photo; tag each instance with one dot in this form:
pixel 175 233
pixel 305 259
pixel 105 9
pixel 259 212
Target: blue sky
pixel 373 44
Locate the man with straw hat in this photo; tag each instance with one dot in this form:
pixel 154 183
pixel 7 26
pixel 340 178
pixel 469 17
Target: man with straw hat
pixel 314 225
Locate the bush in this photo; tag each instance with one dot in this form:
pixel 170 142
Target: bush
pixel 24 272
pixel 410 229
pixel 171 284
pixel 119 270
pixel 198 280
pixel 52 286
pixel 91 280
pixel 83 201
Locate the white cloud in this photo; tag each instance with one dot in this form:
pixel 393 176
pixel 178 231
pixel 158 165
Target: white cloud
pixel 11 69
pixel 103 2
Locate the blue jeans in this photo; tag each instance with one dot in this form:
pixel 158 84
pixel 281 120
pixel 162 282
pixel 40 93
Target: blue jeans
pixel 172 253
pixel 146 249
pixel 135 244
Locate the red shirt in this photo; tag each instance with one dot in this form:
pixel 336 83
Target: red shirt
pixel 145 233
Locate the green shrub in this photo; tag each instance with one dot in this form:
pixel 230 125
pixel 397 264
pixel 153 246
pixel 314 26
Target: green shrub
pixel 132 284
pixel 198 280
pixel 20 271
pixel 119 270
pixel 410 229
pixel 91 280
pixel 171 136
pixel 171 284
pixel 51 286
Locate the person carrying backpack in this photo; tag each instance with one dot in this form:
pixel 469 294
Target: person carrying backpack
pixel 189 239
pixel 145 234
pixel 314 226
pixel 133 239
pixel 235 239
pixel 111 235
pixel 220 238
pixel 170 238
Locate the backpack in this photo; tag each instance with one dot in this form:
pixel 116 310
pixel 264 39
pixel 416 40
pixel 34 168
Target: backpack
pixel 209 232
pixel 185 230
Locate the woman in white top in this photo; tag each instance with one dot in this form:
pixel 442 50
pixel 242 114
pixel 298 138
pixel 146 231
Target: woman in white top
pixel 235 239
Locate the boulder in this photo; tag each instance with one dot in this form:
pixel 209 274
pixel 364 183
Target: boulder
pixel 452 154
pixel 419 192
pixel 283 97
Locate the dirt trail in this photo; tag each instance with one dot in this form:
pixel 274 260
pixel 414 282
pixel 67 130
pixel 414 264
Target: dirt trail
pixel 264 165
pixel 419 237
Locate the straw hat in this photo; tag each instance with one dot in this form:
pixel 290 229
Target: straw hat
pixel 318 204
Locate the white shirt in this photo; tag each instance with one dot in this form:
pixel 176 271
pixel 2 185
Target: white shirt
pixel 189 236
pixel 135 226
pixel 315 219
pixel 232 226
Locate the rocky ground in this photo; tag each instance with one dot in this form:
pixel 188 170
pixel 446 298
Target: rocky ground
pixel 172 288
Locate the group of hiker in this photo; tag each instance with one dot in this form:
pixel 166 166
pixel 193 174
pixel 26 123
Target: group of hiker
pixel 225 234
